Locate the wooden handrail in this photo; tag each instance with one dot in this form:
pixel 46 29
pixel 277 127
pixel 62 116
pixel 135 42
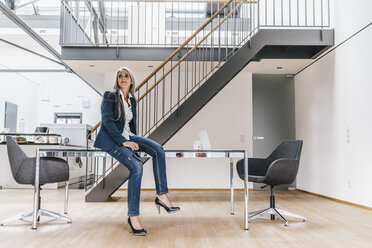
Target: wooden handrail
pixel 183 44
pixel 192 49
pixel 96 126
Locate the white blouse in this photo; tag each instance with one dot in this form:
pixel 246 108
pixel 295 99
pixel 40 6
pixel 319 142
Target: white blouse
pixel 128 116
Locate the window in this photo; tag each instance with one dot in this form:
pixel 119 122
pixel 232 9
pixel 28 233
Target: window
pixel 68 118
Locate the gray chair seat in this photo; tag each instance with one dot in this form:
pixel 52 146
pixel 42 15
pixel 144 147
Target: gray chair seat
pixel 52 170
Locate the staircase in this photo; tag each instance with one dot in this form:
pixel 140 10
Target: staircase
pixel 205 63
pixel 264 44
pixel 106 186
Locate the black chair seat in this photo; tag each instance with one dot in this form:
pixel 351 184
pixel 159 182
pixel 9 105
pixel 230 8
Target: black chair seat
pixel 256 179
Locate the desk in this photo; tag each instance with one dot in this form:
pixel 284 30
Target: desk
pixel 202 154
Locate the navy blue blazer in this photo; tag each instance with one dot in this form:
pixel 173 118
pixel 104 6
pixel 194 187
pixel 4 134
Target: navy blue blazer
pixel 111 130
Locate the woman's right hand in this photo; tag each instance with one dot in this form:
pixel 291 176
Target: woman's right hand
pixel 131 145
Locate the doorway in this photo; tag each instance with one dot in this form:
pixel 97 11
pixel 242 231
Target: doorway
pixel 273 114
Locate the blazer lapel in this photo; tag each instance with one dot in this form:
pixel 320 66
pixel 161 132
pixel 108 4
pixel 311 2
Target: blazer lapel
pixel 122 107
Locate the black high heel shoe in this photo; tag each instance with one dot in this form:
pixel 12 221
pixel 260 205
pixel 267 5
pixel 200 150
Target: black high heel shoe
pixel 138 232
pixel 169 210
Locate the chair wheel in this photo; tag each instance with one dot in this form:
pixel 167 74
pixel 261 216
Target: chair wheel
pixel 286 224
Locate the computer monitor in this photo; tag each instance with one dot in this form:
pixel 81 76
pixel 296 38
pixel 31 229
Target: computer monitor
pixel 41 130
pixel 206 144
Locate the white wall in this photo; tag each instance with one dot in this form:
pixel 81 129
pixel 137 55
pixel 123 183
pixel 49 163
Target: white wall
pixel 226 117
pixel 66 93
pixel 333 99
pixel 23 92
pixel 39 95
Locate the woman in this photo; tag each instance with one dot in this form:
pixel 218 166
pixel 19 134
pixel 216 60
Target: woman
pixel 118 138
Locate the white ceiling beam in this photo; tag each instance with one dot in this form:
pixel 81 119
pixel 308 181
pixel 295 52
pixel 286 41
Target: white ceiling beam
pixel 14 18
pixel 28 50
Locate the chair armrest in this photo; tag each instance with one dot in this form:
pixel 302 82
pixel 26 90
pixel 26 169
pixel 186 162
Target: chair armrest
pixel 256 167
pixel 282 171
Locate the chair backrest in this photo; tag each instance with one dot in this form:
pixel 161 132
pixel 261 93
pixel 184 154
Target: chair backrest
pixel 284 171
pixel 287 149
pixel 15 154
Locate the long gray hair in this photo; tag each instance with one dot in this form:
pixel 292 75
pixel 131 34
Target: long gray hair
pixel 116 90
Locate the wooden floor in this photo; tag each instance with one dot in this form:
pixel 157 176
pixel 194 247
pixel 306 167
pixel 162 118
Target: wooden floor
pixel 204 221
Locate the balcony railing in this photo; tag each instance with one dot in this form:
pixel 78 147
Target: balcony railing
pixel 151 23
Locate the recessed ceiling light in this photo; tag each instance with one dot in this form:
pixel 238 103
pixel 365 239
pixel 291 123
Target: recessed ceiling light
pixel 279 67
pixel 91 65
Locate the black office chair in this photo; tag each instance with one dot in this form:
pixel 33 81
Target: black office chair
pixel 52 170
pixel 280 167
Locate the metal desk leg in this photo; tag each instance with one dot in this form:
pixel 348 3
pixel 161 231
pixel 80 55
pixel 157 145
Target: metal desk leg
pixel 246 189
pixel 104 172
pixel 66 197
pixel 36 192
pixel 86 174
pixel 231 186
pixel 66 192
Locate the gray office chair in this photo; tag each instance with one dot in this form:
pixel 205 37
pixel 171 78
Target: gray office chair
pixel 52 170
pixel 279 168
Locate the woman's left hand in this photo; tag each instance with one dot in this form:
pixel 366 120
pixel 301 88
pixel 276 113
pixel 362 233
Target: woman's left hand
pixel 131 145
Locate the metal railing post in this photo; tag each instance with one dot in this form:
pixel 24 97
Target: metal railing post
pixel 258 14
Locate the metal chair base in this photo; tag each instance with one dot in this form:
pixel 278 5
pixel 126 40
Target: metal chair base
pixel 274 211
pixel 41 212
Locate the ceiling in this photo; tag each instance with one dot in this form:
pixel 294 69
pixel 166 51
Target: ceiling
pixel 99 73
pixel 265 66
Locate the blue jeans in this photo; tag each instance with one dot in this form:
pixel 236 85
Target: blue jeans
pixel 129 159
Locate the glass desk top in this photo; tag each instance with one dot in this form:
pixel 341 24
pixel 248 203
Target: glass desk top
pixel 168 153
